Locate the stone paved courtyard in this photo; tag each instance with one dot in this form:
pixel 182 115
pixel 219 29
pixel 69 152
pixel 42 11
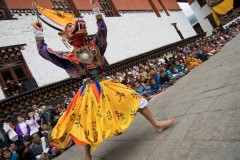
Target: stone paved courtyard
pixel 206 107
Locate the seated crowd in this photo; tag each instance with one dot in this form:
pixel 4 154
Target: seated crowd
pixel 30 138
pixel 156 75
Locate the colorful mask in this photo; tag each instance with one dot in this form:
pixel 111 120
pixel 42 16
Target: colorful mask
pixel 73 32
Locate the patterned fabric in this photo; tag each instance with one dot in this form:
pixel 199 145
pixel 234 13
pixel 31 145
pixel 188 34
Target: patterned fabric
pixel 220 7
pixel 58 17
pixel 67 61
pixel 99 110
pixel 192 62
pixel 213 3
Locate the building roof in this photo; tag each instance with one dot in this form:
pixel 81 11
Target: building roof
pixel 84 4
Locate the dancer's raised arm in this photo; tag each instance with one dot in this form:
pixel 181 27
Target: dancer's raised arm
pixel 46 52
pixel 101 35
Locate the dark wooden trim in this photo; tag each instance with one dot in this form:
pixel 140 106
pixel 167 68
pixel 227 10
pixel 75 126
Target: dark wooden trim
pixel 115 11
pixel 154 8
pixel 2 19
pixel 7 11
pixel 74 8
pixel 142 58
pixel 13 46
pixel 164 8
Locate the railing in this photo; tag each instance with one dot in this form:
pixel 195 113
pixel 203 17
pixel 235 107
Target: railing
pixel 22 104
pixel 143 58
pixel 53 93
pixel 233 14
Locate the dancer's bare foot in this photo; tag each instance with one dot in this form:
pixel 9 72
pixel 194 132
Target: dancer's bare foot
pixel 88 152
pixel 88 158
pixel 163 124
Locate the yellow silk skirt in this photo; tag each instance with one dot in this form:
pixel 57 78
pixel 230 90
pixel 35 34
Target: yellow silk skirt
pixel 99 110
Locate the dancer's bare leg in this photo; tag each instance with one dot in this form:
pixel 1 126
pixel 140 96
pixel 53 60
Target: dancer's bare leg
pixel 88 152
pixel 159 126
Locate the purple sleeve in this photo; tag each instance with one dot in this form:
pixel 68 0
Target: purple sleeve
pixel 54 57
pixel 28 130
pixel 101 36
pixel 19 132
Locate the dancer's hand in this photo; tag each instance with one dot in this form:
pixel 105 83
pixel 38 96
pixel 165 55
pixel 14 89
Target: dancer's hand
pixel 38 26
pixel 92 2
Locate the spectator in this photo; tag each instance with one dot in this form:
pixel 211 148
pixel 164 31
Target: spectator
pixel 45 117
pixel 145 84
pixel 35 108
pixel 62 110
pixel 169 72
pixel 27 141
pixel 152 74
pixel 4 140
pixel 179 57
pixel 10 156
pixel 66 100
pixel 165 80
pixel 51 112
pixel 143 73
pixel 73 94
pixel 154 86
pixel 12 88
pixel 140 89
pixel 32 122
pixel 40 147
pixel 22 128
pixel 24 153
pixel 178 68
pixel 201 55
pixel 45 130
pixel 192 62
pixel 119 77
pixel 14 146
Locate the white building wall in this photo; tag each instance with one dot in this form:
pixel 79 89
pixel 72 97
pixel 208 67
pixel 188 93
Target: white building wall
pixel 128 35
pixel 201 13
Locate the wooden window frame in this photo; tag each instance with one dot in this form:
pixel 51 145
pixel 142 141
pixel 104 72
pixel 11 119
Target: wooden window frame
pixel 212 21
pixel 202 3
pixel 14 66
pixel 5 11
pixel 16 79
pixel 60 5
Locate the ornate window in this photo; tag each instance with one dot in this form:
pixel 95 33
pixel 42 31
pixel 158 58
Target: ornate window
pixel 14 72
pixel 109 8
pixel 61 5
pixel 2 15
pixel 65 4
pixel 55 5
pixel 202 2
pixel 4 11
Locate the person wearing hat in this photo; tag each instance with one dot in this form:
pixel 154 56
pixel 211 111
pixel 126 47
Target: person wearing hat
pixel 101 108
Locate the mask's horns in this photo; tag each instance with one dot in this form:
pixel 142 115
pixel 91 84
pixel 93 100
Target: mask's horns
pixel 36 12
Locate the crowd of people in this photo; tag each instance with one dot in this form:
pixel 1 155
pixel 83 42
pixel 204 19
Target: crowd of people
pixel 30 138
pixel 156 75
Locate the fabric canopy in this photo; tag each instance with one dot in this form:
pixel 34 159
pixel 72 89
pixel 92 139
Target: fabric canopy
pixel 220 7
pixel 58 17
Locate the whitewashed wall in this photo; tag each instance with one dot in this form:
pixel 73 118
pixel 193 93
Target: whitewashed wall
pixel 201 13
pixel 133 34
pixel 128 35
